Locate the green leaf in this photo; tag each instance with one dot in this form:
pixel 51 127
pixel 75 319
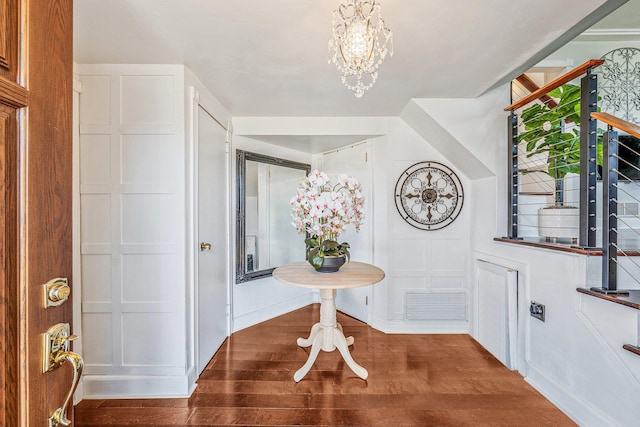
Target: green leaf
pixel 329 245
pixel 344 248
pixel 316 258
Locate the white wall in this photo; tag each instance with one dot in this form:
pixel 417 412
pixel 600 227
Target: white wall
pixel 414 260
pixel 258 300
pixel 578 52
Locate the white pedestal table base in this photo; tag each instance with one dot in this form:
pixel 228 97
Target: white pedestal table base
pixel 327 335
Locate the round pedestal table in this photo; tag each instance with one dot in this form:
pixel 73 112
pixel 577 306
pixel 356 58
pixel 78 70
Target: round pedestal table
pixel 327 334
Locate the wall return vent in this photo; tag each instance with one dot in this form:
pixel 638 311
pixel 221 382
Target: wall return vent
pixel 436 305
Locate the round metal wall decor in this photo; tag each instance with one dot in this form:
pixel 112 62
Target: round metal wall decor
pixel 429 195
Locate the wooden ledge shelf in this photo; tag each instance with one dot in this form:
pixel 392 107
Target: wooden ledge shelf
pixel 561 246
pixel 542 244
pixel 632 300
pixel 632 348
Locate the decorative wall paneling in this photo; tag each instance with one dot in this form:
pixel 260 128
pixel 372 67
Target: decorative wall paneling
pixel 427 269
pixel 421 266
pixel 132 230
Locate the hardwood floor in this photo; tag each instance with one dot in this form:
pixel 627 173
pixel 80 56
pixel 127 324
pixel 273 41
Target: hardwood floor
pixel 414 380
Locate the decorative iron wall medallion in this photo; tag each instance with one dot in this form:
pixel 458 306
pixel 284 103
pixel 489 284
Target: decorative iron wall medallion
pixel 429 195
pixel 619 83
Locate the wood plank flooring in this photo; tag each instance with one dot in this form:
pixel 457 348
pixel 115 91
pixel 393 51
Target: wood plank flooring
pixel 414 380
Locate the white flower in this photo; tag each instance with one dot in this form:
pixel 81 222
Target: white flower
pixel 323 210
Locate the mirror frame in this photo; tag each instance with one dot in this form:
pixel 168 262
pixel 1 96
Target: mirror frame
pixel 241 179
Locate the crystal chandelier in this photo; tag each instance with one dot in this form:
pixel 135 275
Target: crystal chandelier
pixel 359 43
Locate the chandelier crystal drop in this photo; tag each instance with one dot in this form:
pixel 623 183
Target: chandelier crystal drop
pixel 360 41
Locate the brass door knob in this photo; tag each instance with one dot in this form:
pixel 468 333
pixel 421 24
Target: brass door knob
pixel 205 246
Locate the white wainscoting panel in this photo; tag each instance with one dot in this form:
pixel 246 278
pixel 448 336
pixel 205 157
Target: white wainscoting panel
pixel 148 100
pixel 97 346
pixel 132 202
pixel 97 269
pixel 429 282
pixel 95 106
pixel 95 159
pixel 148 159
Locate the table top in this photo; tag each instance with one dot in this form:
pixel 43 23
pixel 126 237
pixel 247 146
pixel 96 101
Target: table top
pixel 351 275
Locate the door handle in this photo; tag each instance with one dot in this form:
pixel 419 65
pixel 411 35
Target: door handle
pixel 205 246
pixel 59 418
pixel 55 354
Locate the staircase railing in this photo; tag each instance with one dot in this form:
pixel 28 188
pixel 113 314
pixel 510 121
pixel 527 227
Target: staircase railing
pixel 619 189
pixel 557 150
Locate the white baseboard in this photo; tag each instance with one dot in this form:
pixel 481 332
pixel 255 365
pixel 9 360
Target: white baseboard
pixel 406 327
pixel 266 313
pixel 135 386
pixel 580 411
pixel 192 377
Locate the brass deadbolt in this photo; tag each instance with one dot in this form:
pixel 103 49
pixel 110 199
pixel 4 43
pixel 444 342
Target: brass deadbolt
pixel 56 291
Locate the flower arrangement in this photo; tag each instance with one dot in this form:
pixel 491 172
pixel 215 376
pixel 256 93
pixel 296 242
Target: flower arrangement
pixel 323 211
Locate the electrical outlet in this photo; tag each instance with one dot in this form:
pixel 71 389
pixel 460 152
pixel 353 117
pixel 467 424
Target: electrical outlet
pixel 537 310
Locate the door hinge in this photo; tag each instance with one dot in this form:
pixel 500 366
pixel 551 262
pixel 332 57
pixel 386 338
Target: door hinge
pixel 366 157
pixel 366 300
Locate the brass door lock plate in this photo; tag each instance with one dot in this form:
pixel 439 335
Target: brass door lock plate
pixel 56 291
pixel 56 342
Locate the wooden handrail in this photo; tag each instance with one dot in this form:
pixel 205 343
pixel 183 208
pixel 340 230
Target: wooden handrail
pixel 576 72
pixel 632 348
pixel 532 86
pixel 618 123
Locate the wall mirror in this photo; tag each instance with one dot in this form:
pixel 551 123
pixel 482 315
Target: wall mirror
pixel 265 238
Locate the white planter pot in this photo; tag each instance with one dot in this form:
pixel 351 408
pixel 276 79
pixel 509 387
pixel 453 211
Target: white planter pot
pixel 559 222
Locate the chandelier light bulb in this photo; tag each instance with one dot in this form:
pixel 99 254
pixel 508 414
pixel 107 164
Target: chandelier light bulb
pixel 360 41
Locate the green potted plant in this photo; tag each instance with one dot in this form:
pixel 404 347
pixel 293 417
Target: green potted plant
pixel 327 254
pixel 549 132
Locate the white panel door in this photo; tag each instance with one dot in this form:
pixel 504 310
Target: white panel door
pixel 498 311
pixel 213 265
pixel 353 161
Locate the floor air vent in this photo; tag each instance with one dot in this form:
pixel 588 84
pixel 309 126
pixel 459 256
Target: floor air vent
pixel 436 305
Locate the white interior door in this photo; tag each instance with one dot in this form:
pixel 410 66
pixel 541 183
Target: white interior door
pixel 211 229
pixel 497 308
pixel 354 161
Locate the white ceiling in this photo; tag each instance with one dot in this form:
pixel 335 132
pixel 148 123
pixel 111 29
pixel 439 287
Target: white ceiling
pixel 268 58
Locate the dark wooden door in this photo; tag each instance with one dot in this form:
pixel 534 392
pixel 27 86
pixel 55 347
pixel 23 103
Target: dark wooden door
pixel 36 75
